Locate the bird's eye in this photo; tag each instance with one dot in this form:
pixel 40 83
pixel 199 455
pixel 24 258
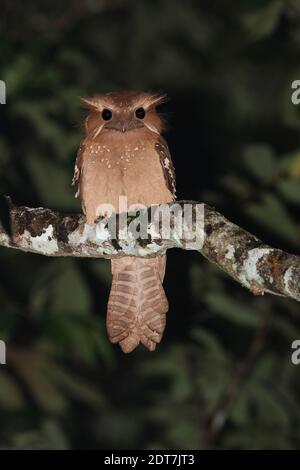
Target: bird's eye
pixel 140 113
pixel 106 114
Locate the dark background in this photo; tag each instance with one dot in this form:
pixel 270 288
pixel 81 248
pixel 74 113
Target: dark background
pixel 222 377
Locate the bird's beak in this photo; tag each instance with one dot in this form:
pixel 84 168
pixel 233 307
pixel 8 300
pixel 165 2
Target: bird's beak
pixel 117 125
pixel 123 125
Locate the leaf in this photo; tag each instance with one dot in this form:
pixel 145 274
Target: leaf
pixel 61 288
pixel 290 189
pixel 79 388
pixel 185 435
pixel 294 165
pixel 102 269
pixel 256 437
pixel 52 182
pixel 237 185
pixel 272 214
pixel 49 437
pixel 261 20
pixel 260 161
pixel 76 336
pixel 210 343
pixel 70 292
pixel 34 369
pixel 233 310
pixel 10 394
pixel 174 367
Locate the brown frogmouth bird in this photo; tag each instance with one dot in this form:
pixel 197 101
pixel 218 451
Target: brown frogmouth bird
pixel 124 154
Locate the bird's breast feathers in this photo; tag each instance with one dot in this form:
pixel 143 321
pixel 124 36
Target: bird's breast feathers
pixel 128 164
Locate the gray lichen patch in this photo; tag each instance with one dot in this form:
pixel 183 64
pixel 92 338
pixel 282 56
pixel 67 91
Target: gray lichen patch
pixel 92 240
pixel 250 265
pixel 291 282
pixel 4 239
pixel 288 277
pixel 230 252
pixel 44 244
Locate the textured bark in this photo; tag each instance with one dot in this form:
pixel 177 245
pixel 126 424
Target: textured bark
pixel 243 256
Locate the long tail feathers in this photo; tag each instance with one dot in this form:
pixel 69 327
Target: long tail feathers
pixel 137 303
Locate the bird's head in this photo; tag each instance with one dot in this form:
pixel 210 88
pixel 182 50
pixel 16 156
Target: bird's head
pixel 123 111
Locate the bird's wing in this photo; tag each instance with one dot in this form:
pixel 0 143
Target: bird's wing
pixel 78 169
pixel 162 149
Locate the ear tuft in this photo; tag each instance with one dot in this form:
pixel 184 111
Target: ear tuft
pixel 91 103
pixel 155 99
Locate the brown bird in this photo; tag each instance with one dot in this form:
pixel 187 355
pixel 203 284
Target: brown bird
pixel 124 154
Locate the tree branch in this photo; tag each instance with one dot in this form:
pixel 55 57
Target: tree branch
pixel 240 254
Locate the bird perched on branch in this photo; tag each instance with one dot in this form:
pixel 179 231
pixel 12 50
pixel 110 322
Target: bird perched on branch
pixel 124 154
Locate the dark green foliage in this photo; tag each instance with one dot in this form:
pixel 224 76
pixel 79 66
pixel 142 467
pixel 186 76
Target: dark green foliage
pixel 234 137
